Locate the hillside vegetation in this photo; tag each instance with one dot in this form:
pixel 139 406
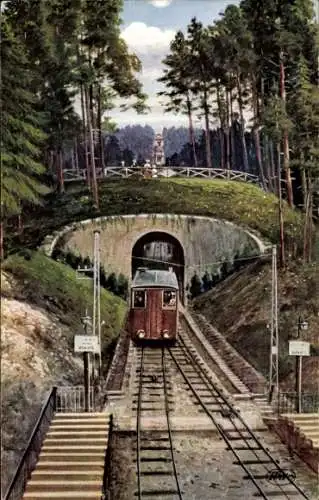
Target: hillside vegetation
pixel 240 306
pixel 242 203
pixel 41 305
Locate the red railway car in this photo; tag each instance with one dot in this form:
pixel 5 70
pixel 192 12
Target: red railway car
pixel 153 313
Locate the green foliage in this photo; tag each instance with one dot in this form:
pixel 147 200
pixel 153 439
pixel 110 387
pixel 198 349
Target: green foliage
pixel 196 286
pixel 244 204
pixel 21 137
pixel 55 286
pixel 117 285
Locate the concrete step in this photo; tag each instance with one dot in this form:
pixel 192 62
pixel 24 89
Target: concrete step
pixel 74 415
pixel 67 476
pixel 80 433
pixel 79 447
pixel 56 485
pixel 73 440
pixel 76 465
pixel 72 456
pixel 71 495
pixel 95 427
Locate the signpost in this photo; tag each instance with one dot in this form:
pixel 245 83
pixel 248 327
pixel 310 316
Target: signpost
pixel 86 343
pixel 299 348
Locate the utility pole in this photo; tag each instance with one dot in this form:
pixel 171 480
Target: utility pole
pixel 274 336
pixel 97 294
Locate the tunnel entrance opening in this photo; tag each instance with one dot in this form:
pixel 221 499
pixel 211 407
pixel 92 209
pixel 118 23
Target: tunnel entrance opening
pixel 160 250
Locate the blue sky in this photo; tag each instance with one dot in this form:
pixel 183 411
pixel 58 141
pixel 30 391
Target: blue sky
pixel 148 28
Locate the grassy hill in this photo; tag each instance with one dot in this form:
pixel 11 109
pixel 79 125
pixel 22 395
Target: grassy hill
pixel 54 287
pixel 240 306
pixel 242 203
pixel 41 306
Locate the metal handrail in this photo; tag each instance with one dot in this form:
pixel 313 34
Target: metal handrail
pixel 107 463
pixel 21 476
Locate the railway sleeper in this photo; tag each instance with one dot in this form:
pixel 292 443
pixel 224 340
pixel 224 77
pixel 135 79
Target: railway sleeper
pixel 256 461
pixel 278 493
pixel 157 473
pixel 158 493
pixel 154 459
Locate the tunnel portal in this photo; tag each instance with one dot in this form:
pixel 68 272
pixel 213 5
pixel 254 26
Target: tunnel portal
pixel 160 250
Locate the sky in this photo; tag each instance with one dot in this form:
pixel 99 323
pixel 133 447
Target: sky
pixel 148 28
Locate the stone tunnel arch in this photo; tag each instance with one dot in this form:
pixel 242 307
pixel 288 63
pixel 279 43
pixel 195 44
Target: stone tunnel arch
pixel 160 250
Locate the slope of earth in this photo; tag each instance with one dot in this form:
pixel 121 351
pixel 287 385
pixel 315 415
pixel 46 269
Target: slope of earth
pixel 240 307
pixel 238 202
pixel 41 305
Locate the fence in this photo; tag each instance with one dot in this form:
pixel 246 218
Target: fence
pixel 288 402
pixel 119 172
pixel 72 399
pixel 30 456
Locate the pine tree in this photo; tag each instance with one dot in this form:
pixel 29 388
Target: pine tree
pixel 22 136
pixel 178 82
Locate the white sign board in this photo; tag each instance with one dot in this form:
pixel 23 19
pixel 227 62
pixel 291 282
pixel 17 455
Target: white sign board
pixel 299 348
pixel 86 343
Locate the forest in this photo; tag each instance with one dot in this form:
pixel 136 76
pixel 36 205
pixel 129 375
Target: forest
pixel 259 59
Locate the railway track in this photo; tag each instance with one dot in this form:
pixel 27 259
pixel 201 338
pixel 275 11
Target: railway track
pixel 156 469
pixel 257 462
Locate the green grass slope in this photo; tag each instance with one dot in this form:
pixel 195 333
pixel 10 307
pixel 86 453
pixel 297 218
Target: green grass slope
pixel 240 307
pixel 55 287
pixel 242 203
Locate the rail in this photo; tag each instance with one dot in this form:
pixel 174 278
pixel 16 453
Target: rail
pixel 118 172
pixel 30 456
pixel 288 402
pixel 141 435
pixel 107 463
pixel 252 442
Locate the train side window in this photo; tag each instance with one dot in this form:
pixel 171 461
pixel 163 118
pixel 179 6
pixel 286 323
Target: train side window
pixel 139 299
pixel 169 299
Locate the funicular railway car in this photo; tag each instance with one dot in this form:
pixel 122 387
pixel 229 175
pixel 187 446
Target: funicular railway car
pixel 153 314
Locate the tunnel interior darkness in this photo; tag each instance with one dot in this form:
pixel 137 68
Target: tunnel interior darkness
pixel 159 250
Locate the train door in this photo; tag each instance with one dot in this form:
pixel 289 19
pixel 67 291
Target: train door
pixel 154 313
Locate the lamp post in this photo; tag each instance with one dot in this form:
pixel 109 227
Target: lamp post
pixel 86 322
pixel 302 325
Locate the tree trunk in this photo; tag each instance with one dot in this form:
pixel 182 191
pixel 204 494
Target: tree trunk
pixel 221 128
pixel 92 159
pixel 207 131
pixel 285 137
pixel 242 128
pixel 273 167
pixel 227 132
pixel 233 145
pixel 84 121
pixel 191 129
pixel 1 241
pixel 308 227
pixel 258 156
pixel 76 155
pixel 281 219
pixel 59 160
pixel 99 125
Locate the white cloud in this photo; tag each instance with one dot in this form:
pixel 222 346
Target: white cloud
pixel 160 3
pixel 145 39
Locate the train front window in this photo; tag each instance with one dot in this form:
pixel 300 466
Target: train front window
pixel 139 299
pixel 169 299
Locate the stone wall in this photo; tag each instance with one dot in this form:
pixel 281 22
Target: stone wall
pixel 206 242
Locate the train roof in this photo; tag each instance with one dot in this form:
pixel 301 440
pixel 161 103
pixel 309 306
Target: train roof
pixel 154 277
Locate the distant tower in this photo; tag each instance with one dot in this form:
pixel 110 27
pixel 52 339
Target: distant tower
pixel 158 157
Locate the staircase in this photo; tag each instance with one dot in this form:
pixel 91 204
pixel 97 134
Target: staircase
pixel 72 457
pixel 306 424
